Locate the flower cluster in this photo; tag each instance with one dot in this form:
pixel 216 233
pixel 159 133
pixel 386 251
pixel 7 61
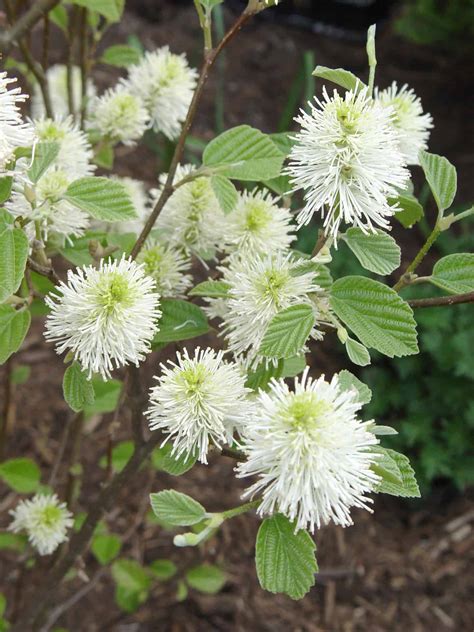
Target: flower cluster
pixel 13 131
pixel 45 520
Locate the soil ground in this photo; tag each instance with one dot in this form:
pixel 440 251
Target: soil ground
pixel 407 567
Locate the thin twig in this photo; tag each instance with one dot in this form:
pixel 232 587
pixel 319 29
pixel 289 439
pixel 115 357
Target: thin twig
pixel 441 301
pixel 26 22
pixel 7 409
pixel 404 278
pixel 62 448
pixel 44 271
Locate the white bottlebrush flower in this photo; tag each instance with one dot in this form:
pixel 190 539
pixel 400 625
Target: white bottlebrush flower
pixel 75 152
pixel 56 217
pixel 168 266
pixel 120 115
pixel 56 77
pixel 192 217
pixel 411 124
pixel 199 401
pixel 165 83
pixel 106 317
pixel 258 225
pixel 259 288
pixel 13 131
pixel 311 453
pixel 46 521
pixel 347 159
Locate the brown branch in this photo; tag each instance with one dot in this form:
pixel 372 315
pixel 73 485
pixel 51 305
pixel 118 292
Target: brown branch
pixel 441 301
pixel 37 10
pixel 44 271
pixel 203 76
pixel 233 454
pixel 8 407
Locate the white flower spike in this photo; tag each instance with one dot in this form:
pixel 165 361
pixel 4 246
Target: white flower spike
pixel 13 131
pixel 120 115
pixel 258 224
pixel 412 125
pixel 106 317
pixel 199 401
pixel 165 83
pixel 46 521
pixel 56 77
pixel 348 160
pixel 311 453
pixel 167 266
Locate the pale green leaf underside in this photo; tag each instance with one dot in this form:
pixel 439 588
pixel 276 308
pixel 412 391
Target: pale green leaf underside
pixel 378 316
pixel 441 176
pixel 78 390
pixel 340 77
pixel 398 477
pixel 287 332
pixel 285 560
pixel 176 509
pixel 454 273
pixel 225 192
pixel 357 353
pixel 377 252
pixel 211 289
pixel 348 380
pixel 410 211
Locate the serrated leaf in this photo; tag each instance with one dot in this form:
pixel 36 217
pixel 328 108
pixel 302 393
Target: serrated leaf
pixel 13 256
pixel 111 9
pixel 244 153
pixel 163 569
pixel 454 273
pixel 348 380
pixel 378 316
pixel 162 459
pixel 44 156
pixel 22 475
pixel 206 578
pixel 398 477
pixel 441 176
pixel 105 547
pixel 288 331
pixel 377 252
pixel 103 198
pixel 357 353
pixel 285 560
pixel 261 376
pixel 411 210
pixel 225 192
pixel 180 320
pixel 340 77
pixel 323 276
pixel 77 389
pixel 177 509
pixel 211 289
pixel 284 141
pixel 13 328
pixel 120 55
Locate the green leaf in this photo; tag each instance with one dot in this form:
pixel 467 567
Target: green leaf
pixel 163 569
pixel 59 16
pixel 129 600
pixel 441 176
pixel 77 251
pixel 104 156
pixel 225 192
pixel 13 255
pixel 111 9
pixel 212 289
pixel 13 541
pixel 377 252
pixel 78 390
pixel 162 459
pixel 293 366
pixel 284 141
pixel 106 547
pixel 323 276
pixel 357 353
pixel 285 560
pixel 398 477
pixel 22 475
pixel 13 328
pixel 287 332
pixel 378 316
pixel 454 273
pixel 340 77
pixel 176 509
pixel 121 455
pixel 206 578
pixel 106 396
pixel 348 380
pixel 45 154
pixel 180 320
pixel 130 575
pixel 20 374
pixel 3 604
pixel 103 198
pixel 244 153
pixel 5 188
pixel 411 210
pixel 261 376
pixel 120 55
